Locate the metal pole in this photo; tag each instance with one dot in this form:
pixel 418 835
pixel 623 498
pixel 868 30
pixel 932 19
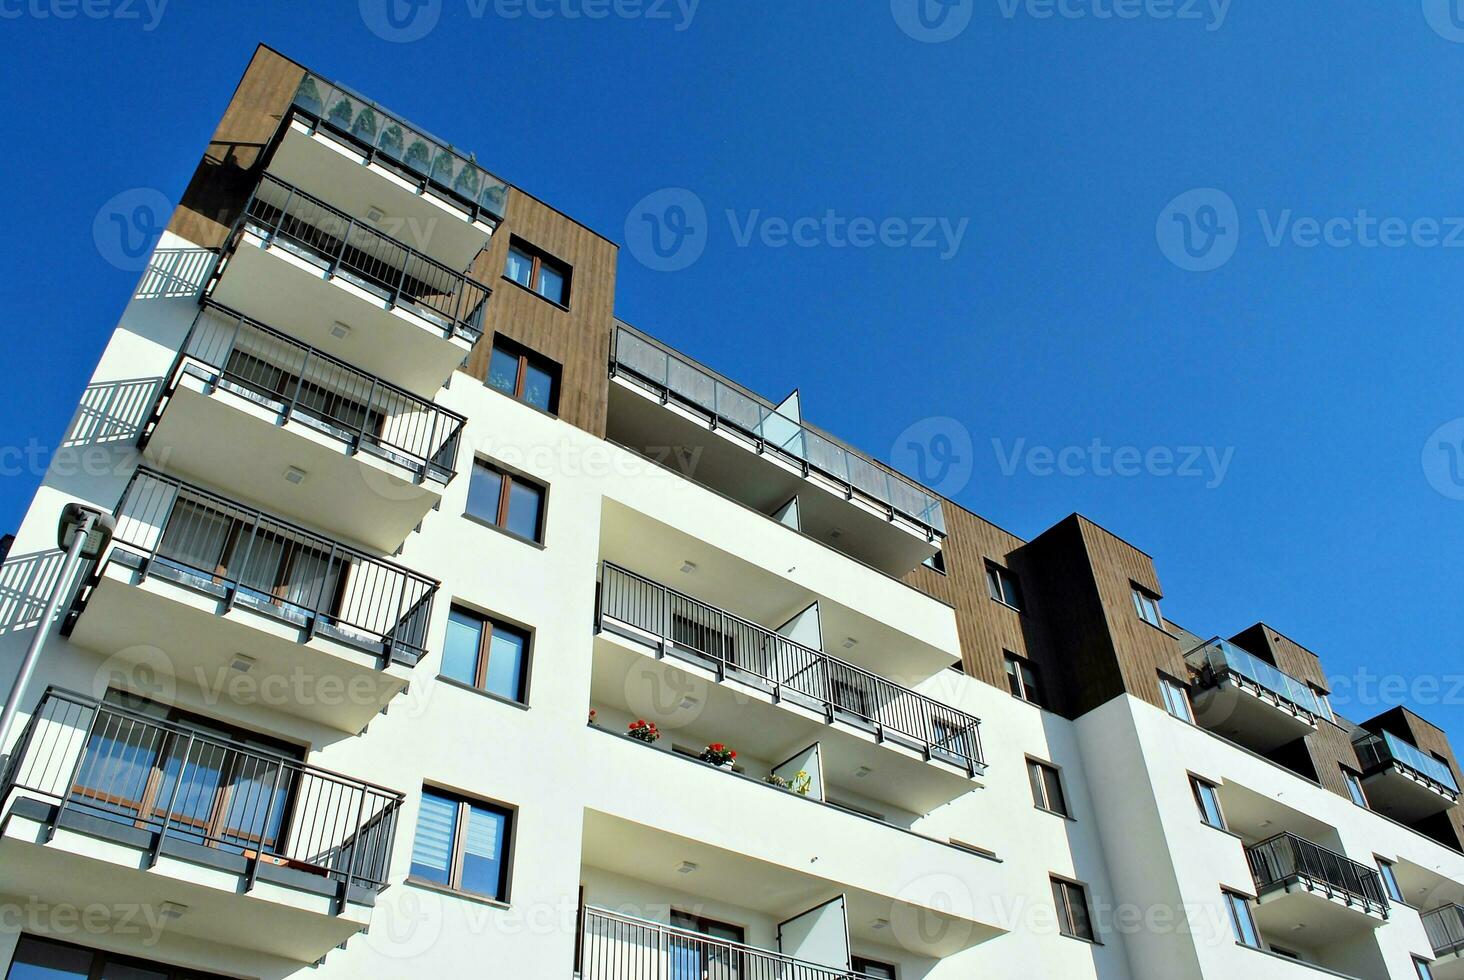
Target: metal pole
pixel 33 654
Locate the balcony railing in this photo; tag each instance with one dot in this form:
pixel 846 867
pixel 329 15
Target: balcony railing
pixel 336 243
pixel 1222 659
pixel 795 442
pixel 622 947
pixel 1286 858
pixel 1445 928
pixel 1387 749
pixel 387 138
pixel 171 529
pixel 743 650
pixel 368 414
pixel 182 783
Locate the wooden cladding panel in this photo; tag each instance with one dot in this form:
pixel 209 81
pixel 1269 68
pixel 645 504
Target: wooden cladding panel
pixel 230 167
pixel 577 338
pixel 987 628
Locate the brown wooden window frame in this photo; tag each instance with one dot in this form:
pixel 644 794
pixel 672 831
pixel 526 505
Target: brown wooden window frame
pixel 489 623
pixel 499 519
pixel 538 259
pixel 525 357
pixel 461 816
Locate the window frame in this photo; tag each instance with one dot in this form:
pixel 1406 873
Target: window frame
pixel 1423 967
pixel 1066 923
pixel 526 357
pixel 462 813
pixel 1356 792
pixel 1173 686
pixel 1235 904
pixel 489 623
pixel 936 563
pixel 1037 771
pixel 1390 880
pixel 1198 787
pixel 1025 686
pixel 507 479
pixel 538 259
pixel 861 964
pixel 103 959
pixel 1324 699
pixel 1144 599
pixel 1002 586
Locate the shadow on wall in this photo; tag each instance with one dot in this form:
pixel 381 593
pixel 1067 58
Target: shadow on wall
pixel 112 412
pixel 25 583
pixel 175 273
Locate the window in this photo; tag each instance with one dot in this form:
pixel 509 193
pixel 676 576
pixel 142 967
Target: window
pixel 1073 918
pixel 1390 880
pixel 506 501
pixel 1282 951
pixel 1207 798
pixel 1022 679
pixel 1354 786
pixel 1047 788
pixel 1176 698
pixel 936 562
pixel 1147 606
pixel 873 968
pixel 486 654
pixel 689 958
pixel 462 845
pixel 1425 972
pixel 520 373
pixel 538 271
pixel 1324 700
pixel 46 959
pixel 1241 922
pixel 1002 586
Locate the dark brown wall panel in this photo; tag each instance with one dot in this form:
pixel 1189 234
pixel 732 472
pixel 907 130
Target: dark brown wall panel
pixel 577 338
pixel 229 169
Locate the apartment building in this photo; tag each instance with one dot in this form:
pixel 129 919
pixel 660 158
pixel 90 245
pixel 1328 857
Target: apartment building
pixel 439 600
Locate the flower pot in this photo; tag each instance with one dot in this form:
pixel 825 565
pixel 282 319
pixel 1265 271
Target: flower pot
pixel 726 766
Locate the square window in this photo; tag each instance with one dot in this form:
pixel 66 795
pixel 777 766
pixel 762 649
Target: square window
pixel 539 271
pixel 1073 918
pixel 462 844
pixel 504 500
pixel 520 373
pixel 485 654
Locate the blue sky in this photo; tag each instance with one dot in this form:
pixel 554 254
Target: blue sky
pixel 1056 328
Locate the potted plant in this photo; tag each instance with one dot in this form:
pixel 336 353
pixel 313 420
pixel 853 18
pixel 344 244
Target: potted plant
pixel 593 716
pixel 719 755
pixel 644 731
pixel 801 784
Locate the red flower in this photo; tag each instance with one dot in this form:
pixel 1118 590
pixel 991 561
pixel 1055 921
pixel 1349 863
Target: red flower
pixel 734 754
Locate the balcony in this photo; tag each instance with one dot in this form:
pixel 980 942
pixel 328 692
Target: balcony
pixel 1302 885
pixel 106 804
pixel 773 695
pixel 763 454
pixel 298 431
pixel 362 158
pixel 347 289
pixel 621 947
pixel 1249 701
pixel 223 589
pixel 1402 780
pixel 1445 928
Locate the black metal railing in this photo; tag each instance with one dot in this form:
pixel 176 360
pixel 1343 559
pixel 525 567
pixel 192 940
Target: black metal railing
pixel 795 442
pixel 1377 750
pixel 229 350
pixel 622 947
pixel 338 244
pixel 185 783
pixel 386 138
pixel 1445 928
pixel 167 527
pixel 737 647
pixel 1286 859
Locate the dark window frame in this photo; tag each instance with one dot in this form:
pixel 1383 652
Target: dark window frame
pixel 538 259
pixel 489 623
pixel 1235 904
pixel 1146 601
pixel 1002 586
pixel 526 357
pixel 1038 771
pixel 102 959
pixel 507 479
pixel 1024 685
pixel 1423 968
pixel 1174 686
pixel 464 806
pixel 863 964
pixel 1356 792
pixel 1197 786
pixel 1063 891
pixel 1391 885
